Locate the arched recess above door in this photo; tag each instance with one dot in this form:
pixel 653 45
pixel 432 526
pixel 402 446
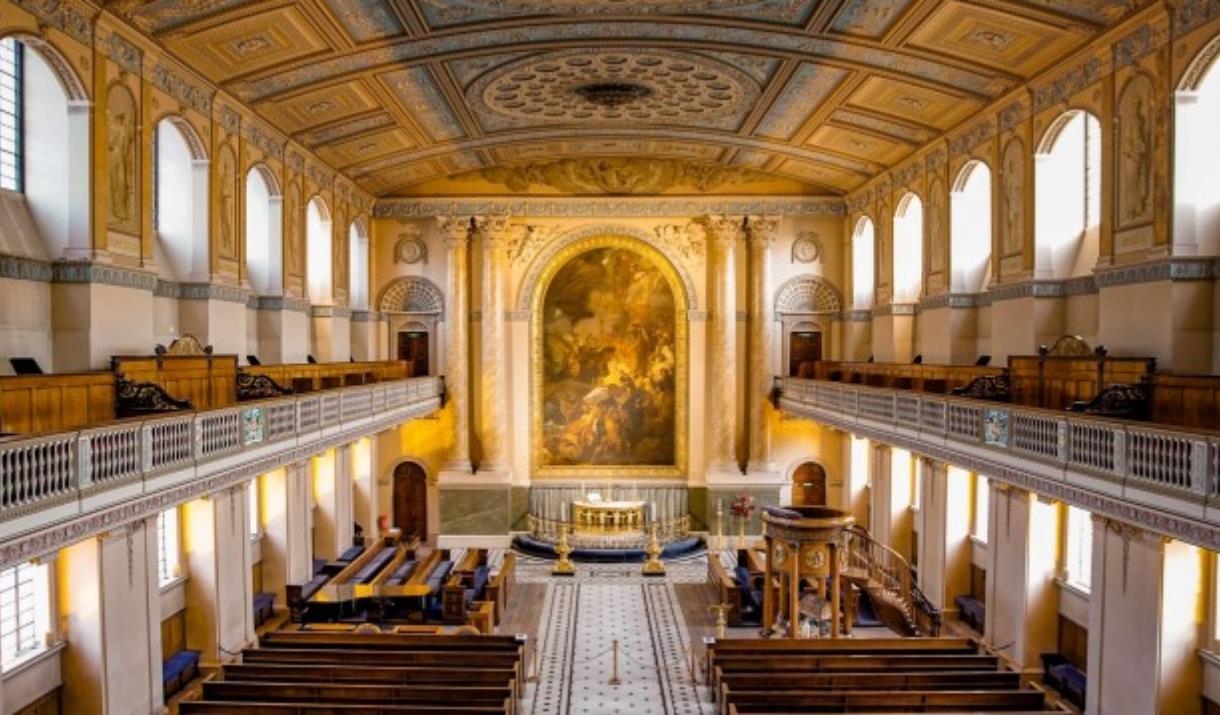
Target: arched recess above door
pixel 411 294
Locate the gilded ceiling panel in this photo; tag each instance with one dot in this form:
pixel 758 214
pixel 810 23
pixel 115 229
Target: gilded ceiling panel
pixel 366 21
pixel 251 42
pixel 346 128
pixel 808 87
pixel 417 89
pixel 868 18
pixel 365 147
pixel 856 143
pixel 938 110
pixel 444 13
pixel 322 105
pixel 987 36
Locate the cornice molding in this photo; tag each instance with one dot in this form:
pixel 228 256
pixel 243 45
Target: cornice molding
pixel 579 207
pixel 283 302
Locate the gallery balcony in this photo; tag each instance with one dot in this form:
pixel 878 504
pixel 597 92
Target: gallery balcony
pixel 1162 475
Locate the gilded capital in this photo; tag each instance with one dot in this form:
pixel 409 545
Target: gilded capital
pixel 762 230
pixel 456 229
pixel 493 231
pixel 722 230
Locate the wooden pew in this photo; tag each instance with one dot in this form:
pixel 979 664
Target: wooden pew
pixel 842 701
pixel 206 381
pixel 308 377
pixel 57 402
pixel 199 707
pixel 323 673
pixel 882 680
pixel 500 586
pixel 387 641
pixel 356 693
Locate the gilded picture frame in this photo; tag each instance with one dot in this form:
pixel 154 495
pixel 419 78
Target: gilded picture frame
pixel 658 260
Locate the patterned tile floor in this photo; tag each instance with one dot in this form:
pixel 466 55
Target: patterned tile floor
pixel 582 617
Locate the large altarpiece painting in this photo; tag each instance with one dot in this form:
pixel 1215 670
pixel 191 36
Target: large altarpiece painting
pixel 609 363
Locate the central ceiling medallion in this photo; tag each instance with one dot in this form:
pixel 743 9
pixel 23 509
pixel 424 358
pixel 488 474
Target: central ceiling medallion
pixel 612 94
pixel 603 86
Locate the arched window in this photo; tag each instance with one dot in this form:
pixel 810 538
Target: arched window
pixel 318 251
pixel 44 150
pixel 970 228
pixel 1067 197
pixel 908 249
pixel 863 271
pixel 1196 187
pixel 358 242
pixel 264 233
pixel 181 201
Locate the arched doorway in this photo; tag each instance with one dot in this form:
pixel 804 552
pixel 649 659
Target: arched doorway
pixel 809 485
pixel 411 500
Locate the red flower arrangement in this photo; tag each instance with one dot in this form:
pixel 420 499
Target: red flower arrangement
pixel 743 506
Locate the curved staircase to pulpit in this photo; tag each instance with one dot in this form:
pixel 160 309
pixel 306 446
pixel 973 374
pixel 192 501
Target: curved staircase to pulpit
pixel 887 578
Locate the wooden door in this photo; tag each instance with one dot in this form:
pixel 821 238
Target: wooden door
pixel 413 346
pixel 411 500
pixel 803 347
pixel 809 485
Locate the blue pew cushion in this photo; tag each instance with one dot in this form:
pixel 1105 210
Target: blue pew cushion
pixel 350 555
pixel 375 564
pixel 312 585
pixel 179 669
pixel 972 611
pixel 401 574
pixel 1072 682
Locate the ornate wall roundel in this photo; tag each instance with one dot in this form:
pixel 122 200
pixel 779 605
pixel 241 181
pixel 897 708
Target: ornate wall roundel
pixel 807 295
pixel 591 85
pixel 411 294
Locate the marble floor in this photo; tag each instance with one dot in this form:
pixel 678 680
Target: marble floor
pixel 583 617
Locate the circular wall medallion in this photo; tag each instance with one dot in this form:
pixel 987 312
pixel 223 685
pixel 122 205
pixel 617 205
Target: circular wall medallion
pixel 594 85
pixel 410 249
pixel 806 248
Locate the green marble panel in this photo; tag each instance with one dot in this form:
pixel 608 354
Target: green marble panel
pixel 475 511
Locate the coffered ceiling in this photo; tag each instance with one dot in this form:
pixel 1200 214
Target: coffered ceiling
pixel 415 97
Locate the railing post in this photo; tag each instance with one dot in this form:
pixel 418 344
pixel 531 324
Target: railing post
pixel 1063 451
pixel 84 461
pixel 146 448
pixel 1200 467
pixel 1120 450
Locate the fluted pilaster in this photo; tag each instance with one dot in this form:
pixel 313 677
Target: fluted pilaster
pixel 760 232
pixel 457 339
pixel 493 433
pixel 724 232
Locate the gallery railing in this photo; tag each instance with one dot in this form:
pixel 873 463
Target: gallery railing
pixel 1148 461
pixel 45 470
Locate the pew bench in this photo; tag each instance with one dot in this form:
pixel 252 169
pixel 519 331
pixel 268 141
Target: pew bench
pixel 178 670
pixel 841 701
pixel 1065 677
pixel 211 707
pixel 461 591
pixel 323 673
pixel 972 612
pixel 264 607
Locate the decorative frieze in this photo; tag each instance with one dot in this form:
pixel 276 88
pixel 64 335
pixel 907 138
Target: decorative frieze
pixel 366 316
pixel 26 269
pixel 888 309
pixel 185 90
pixel 74 18
pixel 1189 15
pixel 330 311
pixel 230 119
pixel 124 53
pixel 1014 114
pixel 1169 269
pixel 1068 84
pixel 613 207
pixel 89 272
pixel 277 302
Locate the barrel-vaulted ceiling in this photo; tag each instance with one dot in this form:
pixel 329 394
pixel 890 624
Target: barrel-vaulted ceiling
pixel 619 96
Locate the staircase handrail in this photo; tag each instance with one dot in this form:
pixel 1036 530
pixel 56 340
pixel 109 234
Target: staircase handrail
pixel 891 571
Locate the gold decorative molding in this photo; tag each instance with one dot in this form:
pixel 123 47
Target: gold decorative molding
pixel 620 176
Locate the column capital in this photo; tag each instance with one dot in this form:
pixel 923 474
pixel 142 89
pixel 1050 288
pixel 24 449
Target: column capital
pixel 722 230
pixel 456 229
pixel 761 230
pixel 493 231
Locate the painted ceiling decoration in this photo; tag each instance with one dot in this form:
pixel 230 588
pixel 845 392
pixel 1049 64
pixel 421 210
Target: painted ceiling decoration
pixel 619 97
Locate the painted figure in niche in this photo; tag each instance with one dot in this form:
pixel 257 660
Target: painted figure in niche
pixel 121 155
pixel 340 262
pixel 228 208
pixel 291 256
pixel 1014 207
pixel 1136 160
pixel 609 362
pixel 936 226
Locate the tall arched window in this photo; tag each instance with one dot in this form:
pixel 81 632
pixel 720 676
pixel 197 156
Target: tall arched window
pixel 264 233
pixel 908 248
pixel 318 251
pixel 358 242
pixel 181 201
pixel 863 271
pixel 1196 188
pixel 44 150
pixel 1067 197
pixel 970 228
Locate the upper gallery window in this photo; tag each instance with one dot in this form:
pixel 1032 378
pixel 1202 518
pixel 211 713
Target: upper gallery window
pixel 169 551
pixel 25 602
pixel 11 54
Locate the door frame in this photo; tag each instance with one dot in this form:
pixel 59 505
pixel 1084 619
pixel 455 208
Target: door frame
pixel 431 513
pixel 791 481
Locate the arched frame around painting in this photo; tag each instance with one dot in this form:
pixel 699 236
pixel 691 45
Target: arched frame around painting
pixel 656 259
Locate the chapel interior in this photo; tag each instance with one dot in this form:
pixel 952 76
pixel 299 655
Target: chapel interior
pixel 571 357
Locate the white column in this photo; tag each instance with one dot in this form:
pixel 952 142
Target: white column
pixel 457 344
pixel 493 423
pixel 365 497
pixel 1144 635
pixel 944 537
pixel 1022 597
pixel 761 234
pixel 879 522
pixel 218 598
pixel 724 232
pixel 286 547
pixel 112 619
pixel 332 489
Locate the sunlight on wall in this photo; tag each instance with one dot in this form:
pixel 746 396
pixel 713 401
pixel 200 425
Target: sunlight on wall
pixel 46 159
pixel 173 200
pixel 970 240
pixel 261 257
pixel 1197 156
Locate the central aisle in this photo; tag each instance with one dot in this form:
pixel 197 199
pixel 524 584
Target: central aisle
pixel 581 618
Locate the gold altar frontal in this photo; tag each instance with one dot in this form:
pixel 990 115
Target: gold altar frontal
pixel 598 517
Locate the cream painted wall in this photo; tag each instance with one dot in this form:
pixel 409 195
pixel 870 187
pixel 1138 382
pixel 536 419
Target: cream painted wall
pixel 25 322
